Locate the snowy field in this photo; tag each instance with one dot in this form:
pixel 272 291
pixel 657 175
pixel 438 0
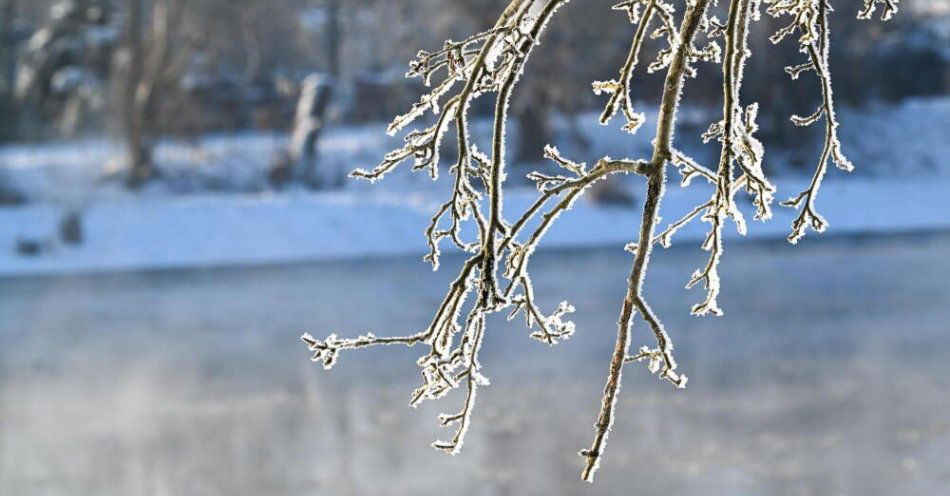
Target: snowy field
pixel 214 230
pixel 827 376
pixel 213 205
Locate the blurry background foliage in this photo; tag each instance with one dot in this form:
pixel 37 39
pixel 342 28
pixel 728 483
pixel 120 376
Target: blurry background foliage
pixel 143 70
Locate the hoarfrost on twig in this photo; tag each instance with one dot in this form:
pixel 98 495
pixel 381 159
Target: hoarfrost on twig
pixel 496 274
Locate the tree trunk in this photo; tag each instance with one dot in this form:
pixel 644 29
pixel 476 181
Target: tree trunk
pixel 308 124
pixel 138 146
pixel 7 69
pixel 334 37
pixel 310 118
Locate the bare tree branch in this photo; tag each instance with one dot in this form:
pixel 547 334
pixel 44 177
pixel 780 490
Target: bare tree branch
pixel 497 269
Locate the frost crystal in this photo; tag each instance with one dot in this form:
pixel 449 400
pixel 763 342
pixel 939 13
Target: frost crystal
pixel 495 276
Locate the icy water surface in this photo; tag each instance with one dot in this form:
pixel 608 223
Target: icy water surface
pixel 829 375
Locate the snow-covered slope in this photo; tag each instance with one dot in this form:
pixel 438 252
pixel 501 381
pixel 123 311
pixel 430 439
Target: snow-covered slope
pixel 213 206
pixel 907 138
pixel 210 230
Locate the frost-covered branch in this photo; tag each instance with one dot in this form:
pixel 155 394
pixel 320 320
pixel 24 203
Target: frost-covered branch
pixel 811 21
pixel 487 62
pixel 619 89
pixel 497 270
pixel 633 301
pixel 735 132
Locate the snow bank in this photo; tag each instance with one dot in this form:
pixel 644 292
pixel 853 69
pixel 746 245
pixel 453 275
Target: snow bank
pixel 901 184
pixel 906 138
pixel 213 230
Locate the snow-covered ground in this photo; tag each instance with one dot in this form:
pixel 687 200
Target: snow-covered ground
pixel 208 230
pixel 902 151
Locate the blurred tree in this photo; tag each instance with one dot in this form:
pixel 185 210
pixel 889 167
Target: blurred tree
pixel 72 66
pixel 62 67
pixel 313 102
pixel 190 67
pixel 7 67
pixel 135 100
pixel 154 58
pixel 299 161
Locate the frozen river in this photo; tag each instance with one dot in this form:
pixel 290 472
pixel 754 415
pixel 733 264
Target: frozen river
pixel 829 375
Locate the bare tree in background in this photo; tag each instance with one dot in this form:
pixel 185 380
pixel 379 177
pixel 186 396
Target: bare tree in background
pixel 156 54
pixel 309 122
pixel 139 150
pixel 7 66
pixel 7 75
pixel 300 162
pixel 496 273
pixel 58 72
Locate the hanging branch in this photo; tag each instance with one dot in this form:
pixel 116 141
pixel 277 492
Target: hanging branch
pixel 493 67
pixel 619 89
pixel 661 359
pixel 811 22
pixel 735 131
pixel 497 268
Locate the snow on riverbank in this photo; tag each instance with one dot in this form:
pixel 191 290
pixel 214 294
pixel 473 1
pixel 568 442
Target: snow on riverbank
pixel 213 230
pixel 214 205
pixel 907 138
